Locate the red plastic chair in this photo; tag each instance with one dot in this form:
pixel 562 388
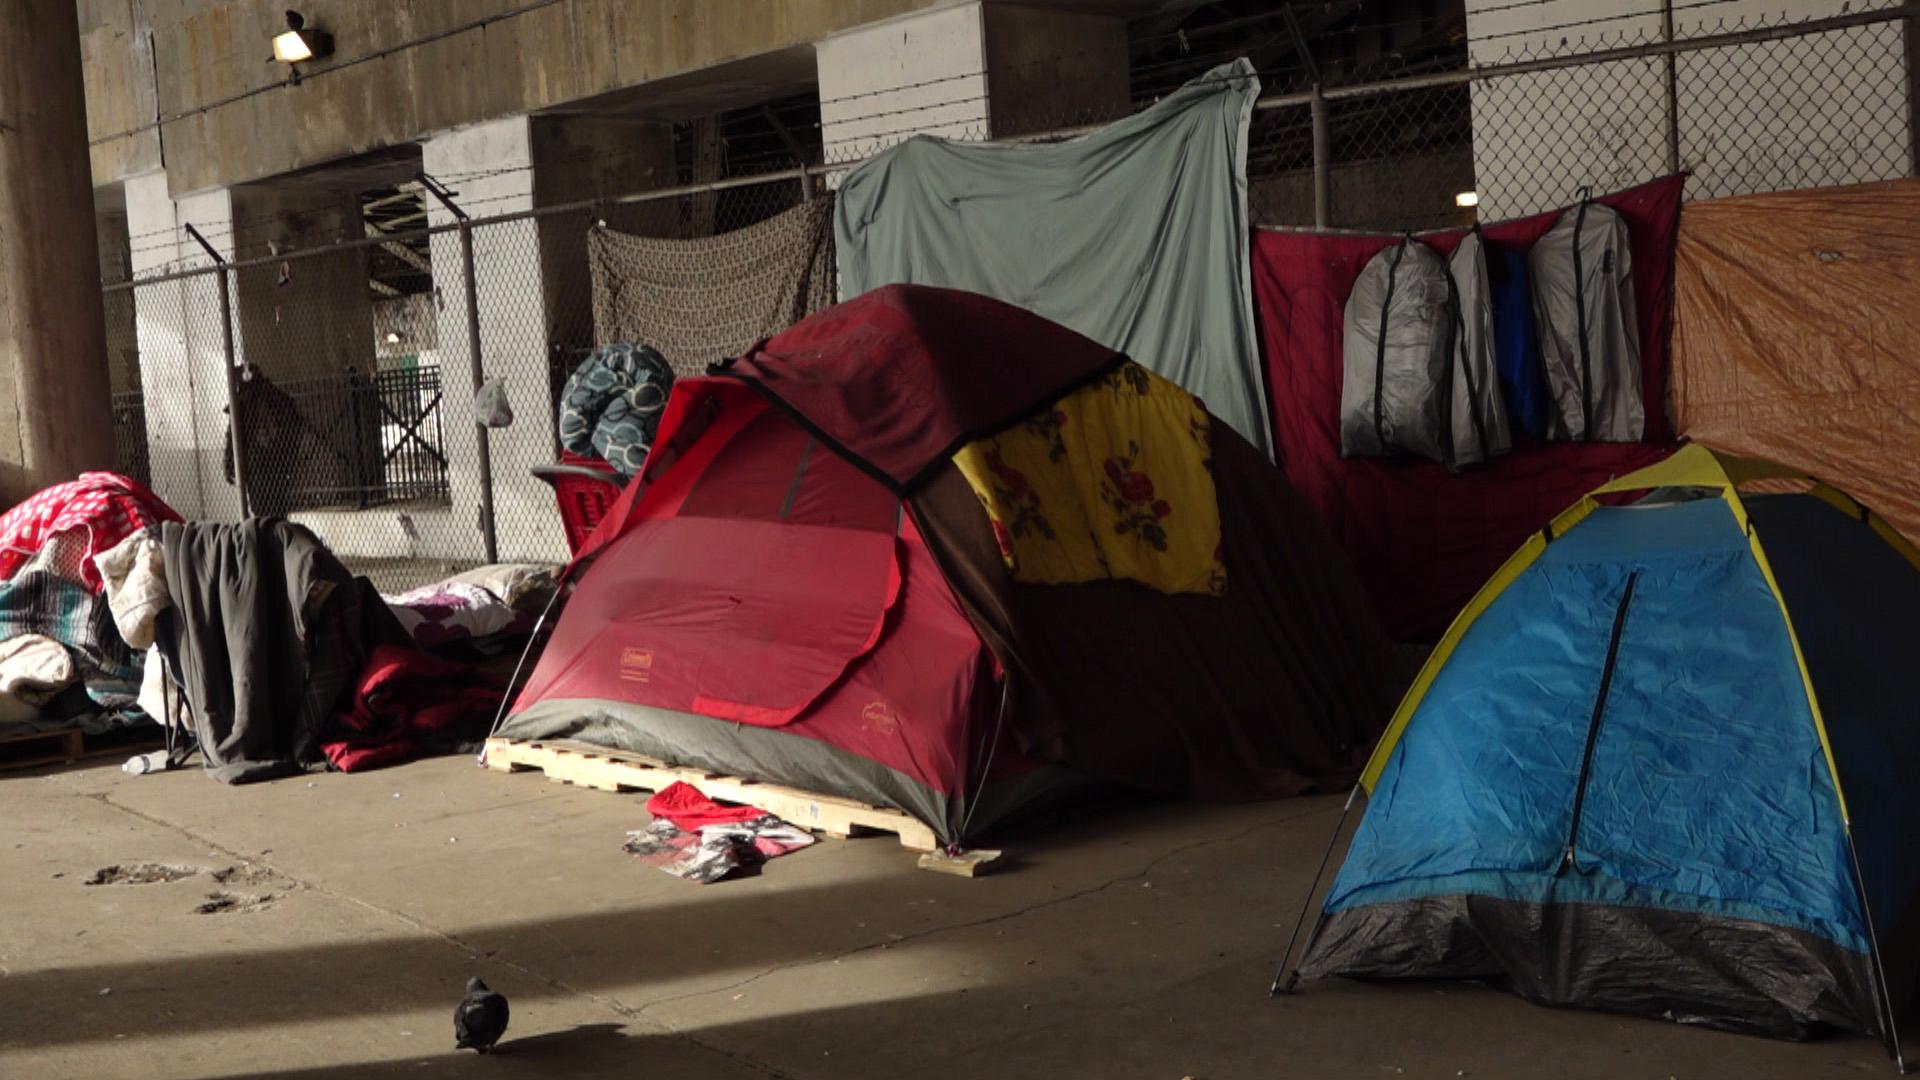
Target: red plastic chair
pixel 586 488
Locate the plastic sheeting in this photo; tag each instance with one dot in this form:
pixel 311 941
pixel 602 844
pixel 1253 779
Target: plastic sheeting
pixel 1582 277
pixel 1418 374
pixel 1398 358
pixel 1796 337
pixel 1480 426
pixel 1516 345
pixel 1135 236
pixel 1726 973
pixel 1420 539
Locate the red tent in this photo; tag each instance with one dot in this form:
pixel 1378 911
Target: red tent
pixel 800 588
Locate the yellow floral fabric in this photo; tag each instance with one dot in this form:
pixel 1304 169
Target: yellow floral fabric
pixel 1114 481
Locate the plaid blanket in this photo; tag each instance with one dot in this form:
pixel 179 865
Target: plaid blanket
pixel 43 602
pixel 706 300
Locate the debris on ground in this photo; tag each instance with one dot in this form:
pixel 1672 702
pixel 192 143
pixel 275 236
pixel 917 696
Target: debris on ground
pixel 222 903
pixel 145 873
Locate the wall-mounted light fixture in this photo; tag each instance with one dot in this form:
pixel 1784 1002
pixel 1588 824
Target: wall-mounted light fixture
pixel 1466 199
pixel 299 44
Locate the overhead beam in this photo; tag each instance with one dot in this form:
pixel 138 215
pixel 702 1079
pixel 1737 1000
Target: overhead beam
pixel 399 250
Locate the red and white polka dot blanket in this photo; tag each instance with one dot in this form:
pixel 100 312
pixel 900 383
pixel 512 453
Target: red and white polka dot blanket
pixel 105 507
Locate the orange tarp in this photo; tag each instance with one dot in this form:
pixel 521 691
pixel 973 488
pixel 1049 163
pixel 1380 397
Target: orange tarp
pixel 1797 336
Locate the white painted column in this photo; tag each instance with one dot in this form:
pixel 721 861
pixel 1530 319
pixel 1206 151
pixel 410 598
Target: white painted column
pixel 491 166
pixel 918 74
pixel 177 325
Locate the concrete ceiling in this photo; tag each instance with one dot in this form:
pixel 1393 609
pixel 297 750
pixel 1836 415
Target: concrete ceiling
pixel 386 168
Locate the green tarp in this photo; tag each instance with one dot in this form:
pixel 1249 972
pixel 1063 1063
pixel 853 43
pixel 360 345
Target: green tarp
pixel 1136 235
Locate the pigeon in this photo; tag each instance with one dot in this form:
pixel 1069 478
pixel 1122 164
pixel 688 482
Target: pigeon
pixel 481 1018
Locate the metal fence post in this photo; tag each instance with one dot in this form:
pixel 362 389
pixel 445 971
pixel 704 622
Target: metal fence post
pixel 236 428
pixel 1673 89
pixel 1322 161
pixel 1910 30
pixel 489 532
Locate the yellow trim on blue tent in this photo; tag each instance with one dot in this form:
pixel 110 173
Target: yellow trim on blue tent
pixel 1854 508
pixel 1739 508
pixel 1442 652
pixel 1693 465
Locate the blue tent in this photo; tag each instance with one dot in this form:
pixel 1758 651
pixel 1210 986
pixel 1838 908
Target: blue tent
pixel 1662 764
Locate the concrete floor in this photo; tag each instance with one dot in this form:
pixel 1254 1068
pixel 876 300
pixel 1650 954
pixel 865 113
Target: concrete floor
pixel 1133 943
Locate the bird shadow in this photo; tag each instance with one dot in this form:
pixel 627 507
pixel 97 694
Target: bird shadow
pixel 559 1045
pixel 582 1050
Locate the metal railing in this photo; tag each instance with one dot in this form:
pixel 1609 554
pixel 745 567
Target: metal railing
pixel 396 467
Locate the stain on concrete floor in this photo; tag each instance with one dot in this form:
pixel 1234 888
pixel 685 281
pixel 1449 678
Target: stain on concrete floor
pixel 143 873
pixel 226 903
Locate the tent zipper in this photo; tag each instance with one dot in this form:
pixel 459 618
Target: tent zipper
pixel 1580 322
pixel 1380 347
pixel 1599 711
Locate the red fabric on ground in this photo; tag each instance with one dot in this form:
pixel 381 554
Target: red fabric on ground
pixel 903 375
pixel 404 701
pixel 683 805
pixel 1422 540
pixel 110 507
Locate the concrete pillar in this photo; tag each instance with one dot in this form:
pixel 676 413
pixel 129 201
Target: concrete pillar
pixel 307 326
pixel 969 72
pixel 116 264
pixel 1048 68
pixel 53 357
pixel 491 166
pixel 917 74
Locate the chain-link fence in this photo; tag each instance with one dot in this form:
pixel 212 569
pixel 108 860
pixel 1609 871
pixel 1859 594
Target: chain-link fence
pixel 356 404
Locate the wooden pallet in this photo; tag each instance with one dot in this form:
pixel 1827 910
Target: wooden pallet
pixel 617 770
pixel 59 747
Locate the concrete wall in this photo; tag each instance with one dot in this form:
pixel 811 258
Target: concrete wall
pixel 54 416
pixel 116 264
pixel 302 318
pixel 1831 109
pixel 587 157
pixel 1049 68
pixel 206 51
pixel 116 49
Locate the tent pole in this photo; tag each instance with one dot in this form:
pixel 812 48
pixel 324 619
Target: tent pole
pixel 533 639
pixel 1285 979
pixel 1883 996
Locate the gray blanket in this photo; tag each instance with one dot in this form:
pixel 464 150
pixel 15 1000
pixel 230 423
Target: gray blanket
pixel 268 634
pixel 1136 235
